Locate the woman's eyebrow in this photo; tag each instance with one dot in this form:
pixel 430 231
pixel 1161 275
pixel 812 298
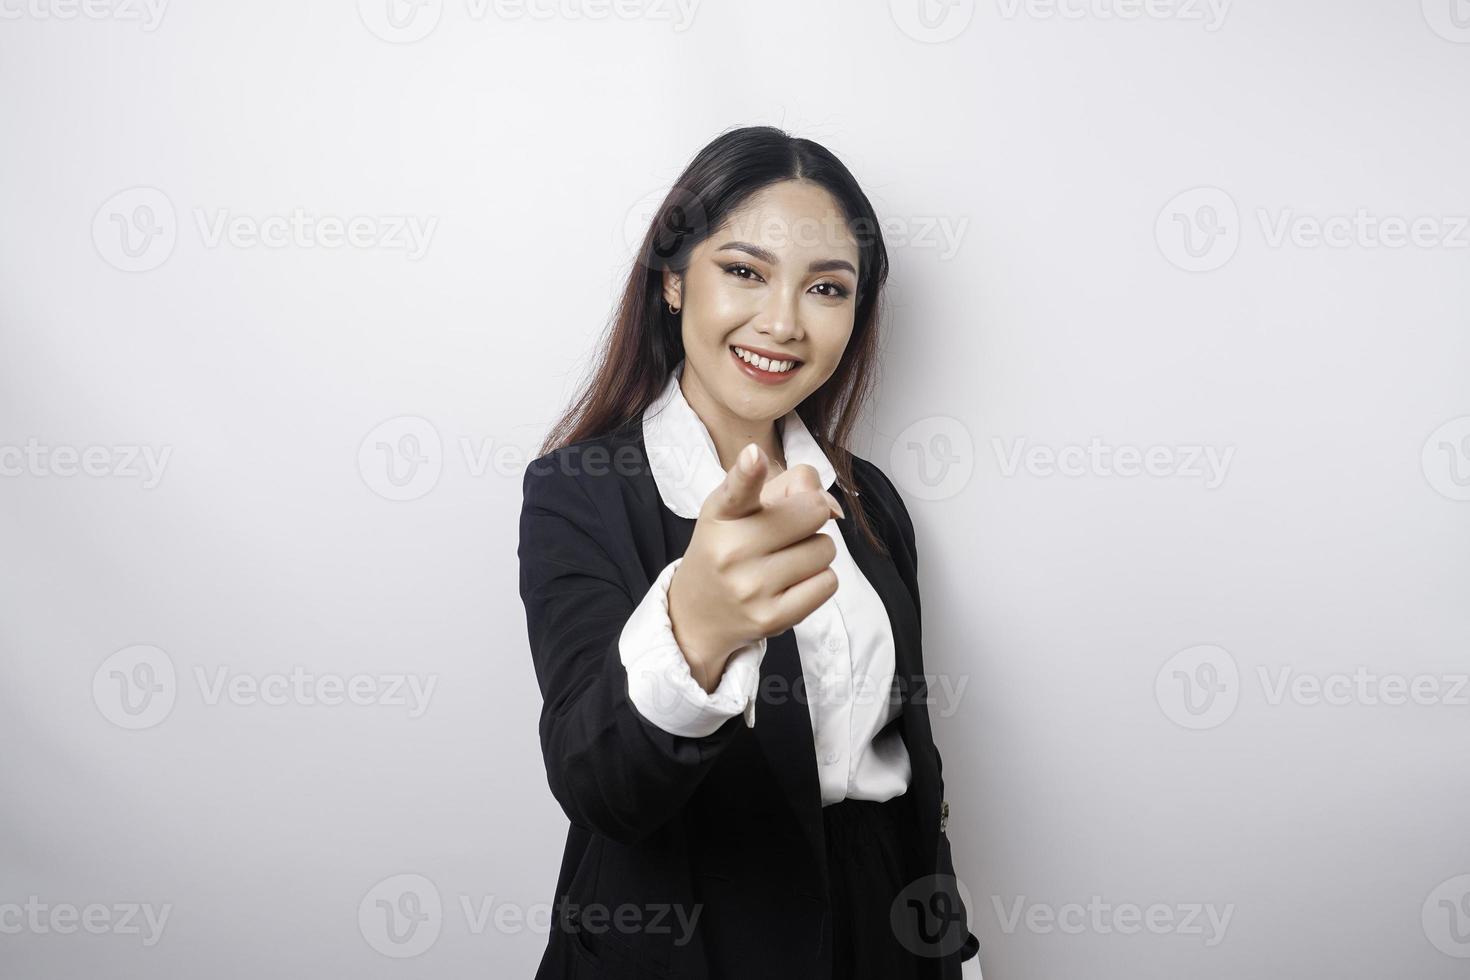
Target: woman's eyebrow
pixel 819 265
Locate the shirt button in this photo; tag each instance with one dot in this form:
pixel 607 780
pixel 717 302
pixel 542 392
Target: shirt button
pixel 833 643
pixel 830 757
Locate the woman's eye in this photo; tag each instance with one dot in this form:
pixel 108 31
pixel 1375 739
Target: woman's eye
pixel 838 290
pixel 740 267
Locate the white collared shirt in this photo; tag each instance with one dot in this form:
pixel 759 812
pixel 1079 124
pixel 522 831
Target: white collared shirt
pixel 846 644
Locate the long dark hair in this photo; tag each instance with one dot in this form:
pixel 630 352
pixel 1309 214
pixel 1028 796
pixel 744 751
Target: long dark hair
pixel 644 342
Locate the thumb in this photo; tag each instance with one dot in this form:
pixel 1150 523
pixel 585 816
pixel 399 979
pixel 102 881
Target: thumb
pixel 740 494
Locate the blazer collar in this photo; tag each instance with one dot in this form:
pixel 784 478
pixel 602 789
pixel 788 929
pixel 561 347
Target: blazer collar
pixel 682 455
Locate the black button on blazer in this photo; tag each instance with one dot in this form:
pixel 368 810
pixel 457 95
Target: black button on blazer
pixel 698 858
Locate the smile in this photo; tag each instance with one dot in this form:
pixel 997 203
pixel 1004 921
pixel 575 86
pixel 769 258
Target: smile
pixel 762 367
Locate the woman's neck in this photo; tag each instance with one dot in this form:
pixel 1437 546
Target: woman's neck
pixel 730 433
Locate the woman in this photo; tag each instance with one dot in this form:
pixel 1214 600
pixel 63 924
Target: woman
pixel 723 608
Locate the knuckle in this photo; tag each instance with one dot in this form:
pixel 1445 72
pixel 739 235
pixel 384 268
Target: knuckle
pixel 745 588
pixel 766 621
pixel 722 558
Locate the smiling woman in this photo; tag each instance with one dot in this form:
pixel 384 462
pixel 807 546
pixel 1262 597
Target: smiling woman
pixel 746 559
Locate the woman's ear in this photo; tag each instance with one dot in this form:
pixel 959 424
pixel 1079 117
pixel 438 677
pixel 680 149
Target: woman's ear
pixel 673 289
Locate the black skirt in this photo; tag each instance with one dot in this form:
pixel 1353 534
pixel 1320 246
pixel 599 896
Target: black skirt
pixel 870 860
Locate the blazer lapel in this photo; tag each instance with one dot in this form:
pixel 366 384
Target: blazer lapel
pixel 903 616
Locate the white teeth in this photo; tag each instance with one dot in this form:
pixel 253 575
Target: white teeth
pixel 764 363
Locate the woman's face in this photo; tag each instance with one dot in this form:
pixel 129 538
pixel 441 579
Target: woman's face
pixel 778 279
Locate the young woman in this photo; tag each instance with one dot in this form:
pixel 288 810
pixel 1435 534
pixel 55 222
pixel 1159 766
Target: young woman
pixel 723 608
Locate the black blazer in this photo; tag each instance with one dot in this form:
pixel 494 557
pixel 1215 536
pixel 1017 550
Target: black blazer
pixel 727 827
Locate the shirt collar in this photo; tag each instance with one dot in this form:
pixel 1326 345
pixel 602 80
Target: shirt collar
pixel 682 455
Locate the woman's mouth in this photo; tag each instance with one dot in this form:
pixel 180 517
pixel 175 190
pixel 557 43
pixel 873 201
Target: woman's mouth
pixel 764 367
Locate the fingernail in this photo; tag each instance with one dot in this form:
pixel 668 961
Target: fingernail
pixel 748 457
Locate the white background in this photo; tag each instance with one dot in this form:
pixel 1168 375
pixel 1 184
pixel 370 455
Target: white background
pixel 1090 291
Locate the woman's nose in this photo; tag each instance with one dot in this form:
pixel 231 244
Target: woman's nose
pixel 781 323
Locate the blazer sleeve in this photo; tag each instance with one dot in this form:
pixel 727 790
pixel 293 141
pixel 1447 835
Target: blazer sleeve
pixel 660 684
pixel 611 769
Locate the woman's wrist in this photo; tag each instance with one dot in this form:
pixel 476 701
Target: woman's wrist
pixel 705 655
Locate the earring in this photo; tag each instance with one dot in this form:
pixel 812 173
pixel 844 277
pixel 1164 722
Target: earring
pixel 672 308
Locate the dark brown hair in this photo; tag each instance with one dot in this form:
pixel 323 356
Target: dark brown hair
pixel 644 342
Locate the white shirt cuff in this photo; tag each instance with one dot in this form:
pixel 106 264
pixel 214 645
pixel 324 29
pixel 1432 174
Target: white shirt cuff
pixel 659 682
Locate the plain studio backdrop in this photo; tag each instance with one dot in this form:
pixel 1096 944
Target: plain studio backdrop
pixel 1176 387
